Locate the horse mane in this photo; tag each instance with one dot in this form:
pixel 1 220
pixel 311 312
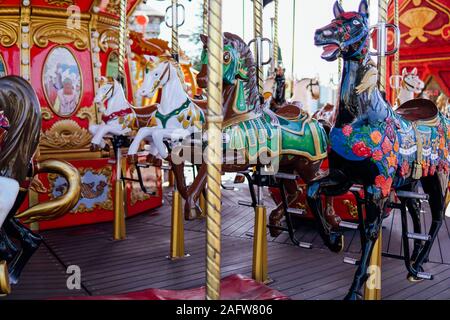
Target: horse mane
pixel 167 58
pixel 21 106
pixel 246 54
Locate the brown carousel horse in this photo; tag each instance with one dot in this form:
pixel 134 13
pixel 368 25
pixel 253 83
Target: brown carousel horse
pixel 20 122
pixel 254 133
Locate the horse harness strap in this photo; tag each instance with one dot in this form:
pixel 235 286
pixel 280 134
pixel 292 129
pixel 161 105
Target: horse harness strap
pixel 166 117
pixel 117 114
pixel 417 168
pixel 158 82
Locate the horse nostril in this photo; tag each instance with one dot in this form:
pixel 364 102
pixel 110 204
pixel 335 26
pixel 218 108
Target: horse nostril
pixel 327 33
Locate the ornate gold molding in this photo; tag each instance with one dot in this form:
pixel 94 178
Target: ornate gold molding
pixel 8 33
pixel 352 208
pixel 60 3
pixel 59 33
pixel 47 114
pixel 65 134
pixel 88 113
pixel 109 39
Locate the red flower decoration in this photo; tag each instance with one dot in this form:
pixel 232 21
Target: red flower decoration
pixel 432 170
pixel 386 146
pixel 361 150
pixel 377 155
pixel 384 184
pixel 347 130
pixel 404 169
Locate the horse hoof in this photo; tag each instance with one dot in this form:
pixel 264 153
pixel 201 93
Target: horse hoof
pixel 336 243
pixel 413 279
pixel 95 148
pixel 5 286
pixel 192 214
pixel 353 296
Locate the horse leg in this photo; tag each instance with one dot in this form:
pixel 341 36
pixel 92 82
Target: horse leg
pixel 435 186
pixel 8 249
pixel 277 214
pixel 334 184
pixel 193 193
pixel 29 241
pixel 142 134
pixel 413 206
pixel 8 197
pixel 97 141
pixel 373 224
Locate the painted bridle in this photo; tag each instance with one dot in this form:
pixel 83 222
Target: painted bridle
pixel 110 93
pixel 310 86
pixel 157 83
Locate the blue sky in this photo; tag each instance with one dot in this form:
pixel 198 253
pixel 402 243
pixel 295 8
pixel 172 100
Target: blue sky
pixel 310 15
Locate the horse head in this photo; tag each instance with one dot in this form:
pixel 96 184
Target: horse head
pixel 411 81
pixel 158 72
pixel 105 92
pixel 347 36
pixel 238 68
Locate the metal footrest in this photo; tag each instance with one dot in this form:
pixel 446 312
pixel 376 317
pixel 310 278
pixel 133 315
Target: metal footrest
pixel 412 195
pixel 305 245
pixel 418 236
pixel 424 275
pixel 355 188
pixel 349 225
pixel 351 261
pixel 245 203
pixel 296 212
pixel 143 165
pixel 287 176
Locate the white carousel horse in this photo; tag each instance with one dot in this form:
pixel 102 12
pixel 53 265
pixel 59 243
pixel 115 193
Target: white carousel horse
pixel 408 87
pixel 305 91
pixel 117 117
pixel 176 116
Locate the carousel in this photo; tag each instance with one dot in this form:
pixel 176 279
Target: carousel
pixel 95 114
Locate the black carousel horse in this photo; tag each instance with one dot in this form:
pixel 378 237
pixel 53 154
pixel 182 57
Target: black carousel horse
pixel 20 123
pixel 377 148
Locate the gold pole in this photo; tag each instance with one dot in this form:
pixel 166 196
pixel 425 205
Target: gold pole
pixel 293 46
pixel 339 63
pixel 203 205
pixel 382 17
pixel 259 267
pixel 177 232
pixel 372 290
pixel 175 47
pixel 122 36
pixel 214 153
pixel 119 205
pixel 397 53
pixel 205 17
pixel 257 30
pixel 275 36
pixel 5 287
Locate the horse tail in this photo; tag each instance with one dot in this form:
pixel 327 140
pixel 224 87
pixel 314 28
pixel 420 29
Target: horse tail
pixel 21 107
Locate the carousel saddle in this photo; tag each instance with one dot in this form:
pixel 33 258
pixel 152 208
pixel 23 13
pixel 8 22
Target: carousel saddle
pixel 291 111
pixel 143 114
pixel 418 110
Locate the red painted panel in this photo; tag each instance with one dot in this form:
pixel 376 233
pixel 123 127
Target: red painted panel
pixel 11 57
pixel 38 59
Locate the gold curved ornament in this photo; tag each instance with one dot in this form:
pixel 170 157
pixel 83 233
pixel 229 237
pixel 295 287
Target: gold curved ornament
pixel 47 114
pixel 60 3
pixel 8 34
pixel 58 32
pixel 5 287
pixel 66 134
pixel 87 113
pixel 109 39
pixel 352 209
pixel 58 207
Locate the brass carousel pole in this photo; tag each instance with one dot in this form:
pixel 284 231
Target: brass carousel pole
pixel 214 153
pixel 202 199
pixel 259 267
pixel 119 195
pixel 395 92
pixel 177 232
pixel 373 285
pixel 275 37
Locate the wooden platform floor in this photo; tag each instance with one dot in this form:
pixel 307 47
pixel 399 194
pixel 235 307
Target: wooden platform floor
pixel 140 262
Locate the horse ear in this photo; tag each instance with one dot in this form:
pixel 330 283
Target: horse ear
pixel 414 71
pixel 364 8
pixel 204 39
pixel 404 72
pixel 337 9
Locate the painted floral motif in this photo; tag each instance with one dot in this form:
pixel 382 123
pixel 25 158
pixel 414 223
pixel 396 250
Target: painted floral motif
pixel 386 146
pixel 384 184
pixel 376 136
pixel 377 155
pixel 347 130
pixel 361 150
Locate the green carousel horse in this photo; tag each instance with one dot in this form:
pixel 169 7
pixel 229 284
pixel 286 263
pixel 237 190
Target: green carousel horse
pixel 253 135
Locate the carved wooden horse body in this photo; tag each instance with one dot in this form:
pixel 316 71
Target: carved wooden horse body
pixel 375 147
pixel 20 127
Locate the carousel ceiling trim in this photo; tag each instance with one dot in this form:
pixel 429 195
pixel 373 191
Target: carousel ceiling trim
pixel 109 39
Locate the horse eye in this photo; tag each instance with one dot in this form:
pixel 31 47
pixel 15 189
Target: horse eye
pixel 156 74
pixel 356 22
pixel 226 57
